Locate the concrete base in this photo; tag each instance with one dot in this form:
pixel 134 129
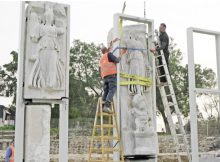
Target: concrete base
pixel 37 133
pixel 150 160
pixel 209 159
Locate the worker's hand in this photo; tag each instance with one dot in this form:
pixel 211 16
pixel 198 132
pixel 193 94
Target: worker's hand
pixel 153 50
pixel 115 40
pixel 122 51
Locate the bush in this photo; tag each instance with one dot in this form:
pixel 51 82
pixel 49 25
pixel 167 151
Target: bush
pixel 54 131
pixel 7 127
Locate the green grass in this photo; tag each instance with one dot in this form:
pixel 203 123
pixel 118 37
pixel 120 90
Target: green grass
pixel 7 127
pixel 54 131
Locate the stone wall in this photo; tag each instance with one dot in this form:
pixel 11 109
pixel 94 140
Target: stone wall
pixel 79 144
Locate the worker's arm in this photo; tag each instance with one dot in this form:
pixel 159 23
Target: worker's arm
pixel 113 58
pixel 163 43
pixel 112 42
pixel 8 155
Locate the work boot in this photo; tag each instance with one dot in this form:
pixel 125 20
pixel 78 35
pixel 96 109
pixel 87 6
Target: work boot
pixel 107 110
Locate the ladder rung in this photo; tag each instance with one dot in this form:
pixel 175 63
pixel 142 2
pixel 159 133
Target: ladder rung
pixel 158 56
pixel 106 114
pixel 163 85
pixel 171 104
pixel 169 95
pixel 106 149
pixel 106 126
pixel 160 66
pixel 160 76
pixel 106 137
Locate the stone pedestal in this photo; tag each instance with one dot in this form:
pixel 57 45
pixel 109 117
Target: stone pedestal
pixel 150 160
pixel 143 144
pixel 37 133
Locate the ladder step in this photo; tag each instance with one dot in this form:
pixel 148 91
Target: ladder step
pixel 106 138
pixel 160 76
pixel 106 126
pixel 105 149
pixel 106 114
pixel 158 56
pixel 160 66
pixel 163 85
pixel 171 104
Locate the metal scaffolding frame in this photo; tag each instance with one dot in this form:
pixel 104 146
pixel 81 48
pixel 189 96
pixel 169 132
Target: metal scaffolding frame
pixel 192 86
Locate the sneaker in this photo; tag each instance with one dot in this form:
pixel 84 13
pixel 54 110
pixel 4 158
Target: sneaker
pixel 107 110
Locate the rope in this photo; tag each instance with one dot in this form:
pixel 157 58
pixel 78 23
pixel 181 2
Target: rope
pixel 132 49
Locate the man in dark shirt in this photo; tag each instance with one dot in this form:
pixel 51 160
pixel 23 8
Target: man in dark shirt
pixel 108 72
pixel 164 45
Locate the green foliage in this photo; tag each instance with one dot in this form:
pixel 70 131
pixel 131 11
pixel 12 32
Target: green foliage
pixel 85 81
pixel 54 131
pixel 7 127
pixel 74 113
pixel 8 80
pixel 205 78
pixel 84 65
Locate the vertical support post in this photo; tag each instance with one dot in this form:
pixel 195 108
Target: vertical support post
pixel 152 59
pixel 217 46
pixel 20 106
pixel 63 132
pixel 150 42
pixel 116 26
pixel 64 107
pixel 192 97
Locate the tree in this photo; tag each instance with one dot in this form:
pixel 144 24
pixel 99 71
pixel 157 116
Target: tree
pixel 85 81
pixel 8 80
pixel 84 65
pixel 205 78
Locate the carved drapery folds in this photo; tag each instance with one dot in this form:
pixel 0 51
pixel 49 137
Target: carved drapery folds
pixel 136 101
pixel 45 51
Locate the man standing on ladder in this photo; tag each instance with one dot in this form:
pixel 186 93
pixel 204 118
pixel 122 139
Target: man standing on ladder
pixel 108 70
pixel 164 41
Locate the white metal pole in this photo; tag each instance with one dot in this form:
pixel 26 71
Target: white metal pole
pixel 64 107
pixel 20 107
pixel 192 96
pixel 217 45
pixel 63 132
pixel 116 32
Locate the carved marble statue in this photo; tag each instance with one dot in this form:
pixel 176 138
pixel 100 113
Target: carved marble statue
pixel 135 57
pixel 141 116
pixel 143 125
pixel 47 71
pixel 46 50
pixel 138 128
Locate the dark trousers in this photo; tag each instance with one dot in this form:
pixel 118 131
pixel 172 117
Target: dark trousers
pixel 161 69
pixel 110 86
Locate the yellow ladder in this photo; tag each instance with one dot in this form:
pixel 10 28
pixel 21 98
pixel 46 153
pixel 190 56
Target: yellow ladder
pixel 103 142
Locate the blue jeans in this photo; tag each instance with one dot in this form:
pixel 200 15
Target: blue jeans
pixel 110 86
